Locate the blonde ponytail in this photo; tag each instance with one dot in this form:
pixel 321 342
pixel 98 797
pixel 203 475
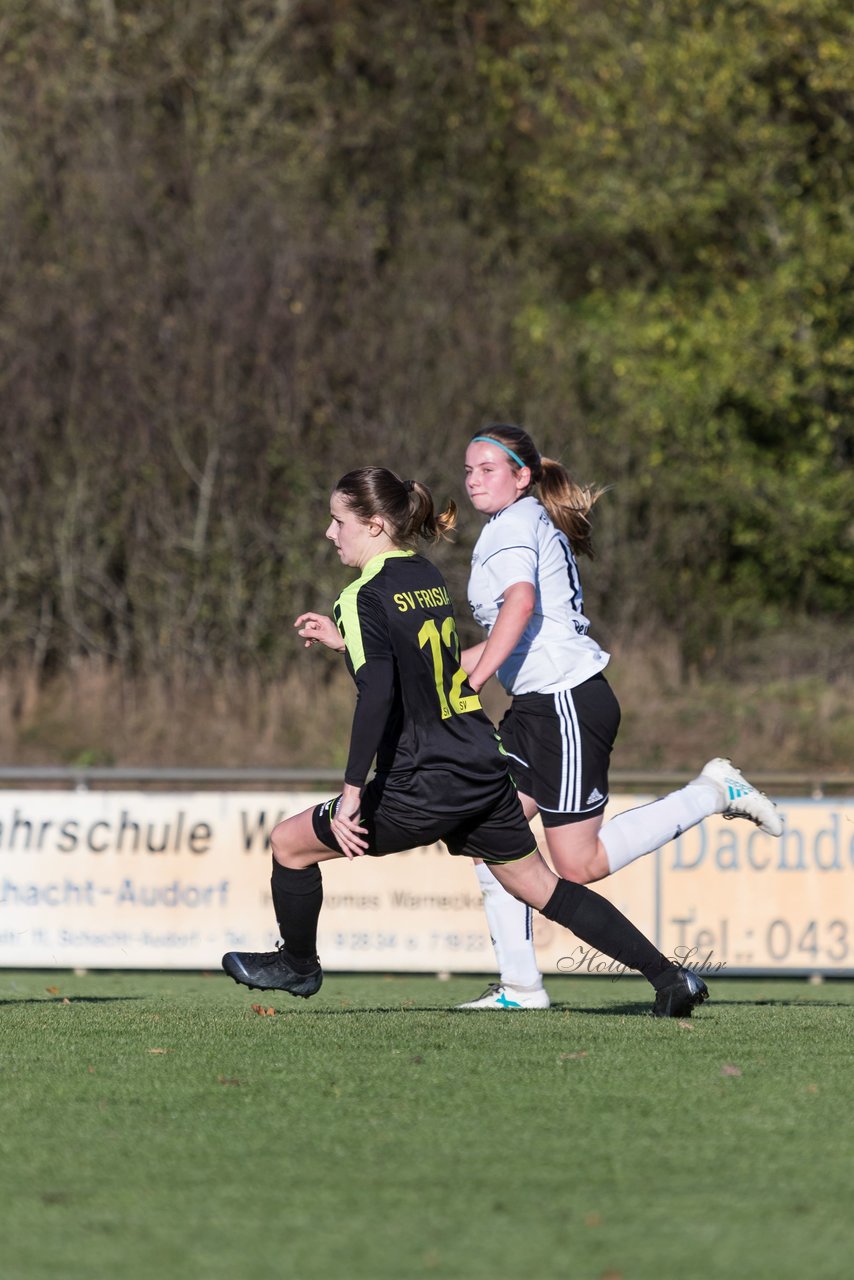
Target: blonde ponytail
pixel 568 504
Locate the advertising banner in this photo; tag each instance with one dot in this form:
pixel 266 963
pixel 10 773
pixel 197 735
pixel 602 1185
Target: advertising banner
pixel 145 880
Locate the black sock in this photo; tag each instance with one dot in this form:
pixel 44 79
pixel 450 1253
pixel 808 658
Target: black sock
pixel 597 922
pixel 297 899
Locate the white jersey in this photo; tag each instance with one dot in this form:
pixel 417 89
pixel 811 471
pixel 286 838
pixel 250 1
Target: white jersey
pixel 520 544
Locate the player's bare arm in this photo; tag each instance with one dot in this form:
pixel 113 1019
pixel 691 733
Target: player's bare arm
pixel 513 617
pixel 469 658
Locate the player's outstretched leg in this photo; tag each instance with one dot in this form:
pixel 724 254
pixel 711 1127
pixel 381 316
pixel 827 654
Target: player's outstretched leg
pixel 719 788
pixel 598 922
pixel 602 926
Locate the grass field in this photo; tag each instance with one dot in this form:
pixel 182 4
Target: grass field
pixel 154 1125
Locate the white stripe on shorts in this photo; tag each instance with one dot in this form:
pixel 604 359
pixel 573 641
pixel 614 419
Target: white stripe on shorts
pixel 570 776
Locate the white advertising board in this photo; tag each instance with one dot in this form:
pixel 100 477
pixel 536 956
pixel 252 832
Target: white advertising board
pixel 143 880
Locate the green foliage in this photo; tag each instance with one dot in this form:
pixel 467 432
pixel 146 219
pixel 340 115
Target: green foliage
pixel 690 189
pixel 248 245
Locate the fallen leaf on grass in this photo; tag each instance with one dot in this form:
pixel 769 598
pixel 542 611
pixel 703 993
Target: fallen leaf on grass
pixel 52 991
pixel 611 1275
pixel 227 1080
pixel 65 1000
pixel 686 1026
pixel 812 1088
pixel 565 1057
pixel 592 1220
pixel 728 1069
pixel 263 1011
pixel 55 1197
pixel 160 1051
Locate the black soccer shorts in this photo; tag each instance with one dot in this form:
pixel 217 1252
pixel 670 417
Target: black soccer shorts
pixel 475 818
pixel 559 746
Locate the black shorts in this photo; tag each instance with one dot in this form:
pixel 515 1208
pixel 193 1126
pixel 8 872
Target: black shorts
pixel 481 819
pixel 559 746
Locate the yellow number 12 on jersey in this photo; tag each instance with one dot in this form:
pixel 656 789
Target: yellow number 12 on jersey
pixel 454 700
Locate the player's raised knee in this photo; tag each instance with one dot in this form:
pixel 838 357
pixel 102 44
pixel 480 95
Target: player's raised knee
pixel 283 843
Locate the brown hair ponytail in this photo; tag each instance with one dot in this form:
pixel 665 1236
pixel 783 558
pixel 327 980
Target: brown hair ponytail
pixel 406 506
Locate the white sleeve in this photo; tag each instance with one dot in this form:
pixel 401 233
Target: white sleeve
pixel 509 565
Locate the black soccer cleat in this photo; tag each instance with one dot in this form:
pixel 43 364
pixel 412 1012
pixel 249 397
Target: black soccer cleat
pixel 680 996
pixel 270 971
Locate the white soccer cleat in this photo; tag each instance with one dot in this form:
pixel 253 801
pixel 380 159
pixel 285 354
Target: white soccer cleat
pixel 740 799
pixel 499 996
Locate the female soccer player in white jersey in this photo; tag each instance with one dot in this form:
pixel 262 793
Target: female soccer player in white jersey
pixel 439 772
pixel 526 592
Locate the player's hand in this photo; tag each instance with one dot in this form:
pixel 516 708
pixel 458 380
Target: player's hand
pixel 316 628
pixel 347 825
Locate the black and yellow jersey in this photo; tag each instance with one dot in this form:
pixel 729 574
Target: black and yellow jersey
pixel 415 709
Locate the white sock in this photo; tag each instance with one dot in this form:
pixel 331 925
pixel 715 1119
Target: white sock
pixel 640 831
pixel 511 928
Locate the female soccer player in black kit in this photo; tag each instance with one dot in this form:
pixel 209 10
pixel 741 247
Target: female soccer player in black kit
pixel 440 771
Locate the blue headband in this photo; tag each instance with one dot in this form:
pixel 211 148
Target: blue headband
pixel 489 440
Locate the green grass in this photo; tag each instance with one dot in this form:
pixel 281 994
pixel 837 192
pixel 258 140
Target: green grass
pixel 374 1133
